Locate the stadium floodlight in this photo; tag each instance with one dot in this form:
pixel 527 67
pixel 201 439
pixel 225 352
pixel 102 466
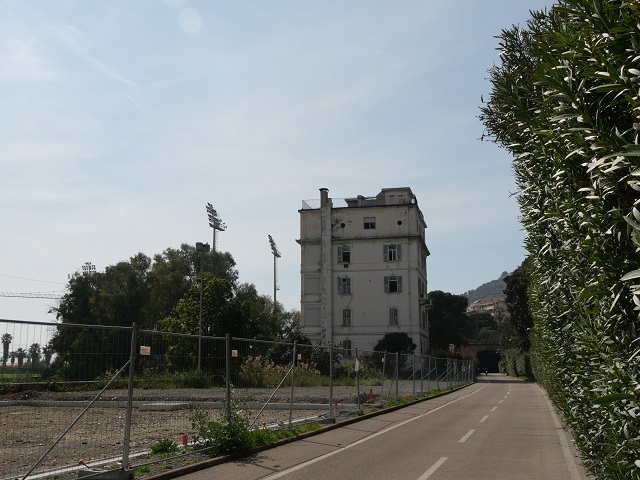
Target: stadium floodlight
pixel 215 223
pixel 276 256
pixel 88 268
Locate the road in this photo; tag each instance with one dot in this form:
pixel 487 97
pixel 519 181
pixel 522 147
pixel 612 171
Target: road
pixel 500 428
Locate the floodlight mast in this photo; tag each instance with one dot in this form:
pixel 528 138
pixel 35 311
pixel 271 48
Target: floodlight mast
pixel 202 248
pixel 276 255
pixel 214 222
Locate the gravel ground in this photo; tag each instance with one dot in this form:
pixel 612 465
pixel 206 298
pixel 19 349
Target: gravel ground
pixel 30 428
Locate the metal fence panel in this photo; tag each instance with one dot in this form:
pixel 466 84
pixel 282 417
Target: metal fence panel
pixel 104 396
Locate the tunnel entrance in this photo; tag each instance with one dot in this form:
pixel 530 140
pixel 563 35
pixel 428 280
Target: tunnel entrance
pixel 488 361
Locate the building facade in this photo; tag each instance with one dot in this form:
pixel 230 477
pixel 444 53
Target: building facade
pixel 364 269
pixel 496 307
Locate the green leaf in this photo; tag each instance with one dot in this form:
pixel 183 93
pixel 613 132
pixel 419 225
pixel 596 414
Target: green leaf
pixel 631 275
pixel 614 397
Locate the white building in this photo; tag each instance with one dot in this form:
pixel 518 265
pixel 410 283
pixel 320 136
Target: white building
pixel 364 269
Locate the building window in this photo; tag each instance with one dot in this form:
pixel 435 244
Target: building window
pixel 391 253
pixel 346 317
pixel 393 284
pixel 346 347
pixel 424 320
pixel 344 254
pixel 344 285
pixel 422 288
pixel 393 315
pixel 369 223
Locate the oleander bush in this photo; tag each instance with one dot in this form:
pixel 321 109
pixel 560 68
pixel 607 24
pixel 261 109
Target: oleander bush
pixel 565 102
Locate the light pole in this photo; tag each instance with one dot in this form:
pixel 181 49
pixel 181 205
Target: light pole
pixel 215 223
pixel 276 255
pixel 202 248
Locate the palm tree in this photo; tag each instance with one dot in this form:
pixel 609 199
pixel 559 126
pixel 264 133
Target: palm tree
pixel 34 355
pixel 6 341
pixel 20 353
pixel 47 351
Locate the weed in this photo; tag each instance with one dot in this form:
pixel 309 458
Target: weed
pixel 164 445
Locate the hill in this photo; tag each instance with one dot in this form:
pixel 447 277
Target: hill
pixel 492 289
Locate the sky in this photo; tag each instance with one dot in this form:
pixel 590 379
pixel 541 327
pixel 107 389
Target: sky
pixel 121 120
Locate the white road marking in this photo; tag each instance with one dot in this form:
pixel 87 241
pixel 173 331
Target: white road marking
pixel 484 418
pixel 433 468
pixel 370 437
pixel 501 401
pixel 568 457
pixel 494 409
pixel 464 439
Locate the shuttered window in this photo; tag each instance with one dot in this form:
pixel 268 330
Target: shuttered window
pixel 391 253
pixel 344 285
pixel 393 284
pixel 344 253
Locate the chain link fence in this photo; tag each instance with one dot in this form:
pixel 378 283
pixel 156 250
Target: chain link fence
pixel 77 398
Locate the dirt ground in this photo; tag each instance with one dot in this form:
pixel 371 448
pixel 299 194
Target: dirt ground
pixel 29 428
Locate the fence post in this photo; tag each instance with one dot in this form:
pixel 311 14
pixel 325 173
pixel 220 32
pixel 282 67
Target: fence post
pixel 397 374
pixel 127 421
pixel 384 363
pixel 413 367
pixel 331 412
pixel 228 373
pixel 293 383
pixel 357 368
pixel 421 374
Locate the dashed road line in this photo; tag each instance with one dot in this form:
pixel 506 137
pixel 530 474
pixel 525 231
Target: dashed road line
pixel 483 419
pixel 494 409
pixel 294 468
pixel 433 468
pixel 468 434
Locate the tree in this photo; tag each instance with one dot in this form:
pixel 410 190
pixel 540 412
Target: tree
pixel 139 290
pixel 6 341
pixel 395 342
pixel 483 323
pixel 448 321
pixel 515 329
pixel 34 355
pixel 175 270
pixel 565 104
pixel 20 354
pixel 47 351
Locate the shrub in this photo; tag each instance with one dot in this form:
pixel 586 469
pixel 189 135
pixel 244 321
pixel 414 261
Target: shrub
pixel 229 434
pixel 164 445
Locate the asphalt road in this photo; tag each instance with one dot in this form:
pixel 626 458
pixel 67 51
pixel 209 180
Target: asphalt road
pixel 500 429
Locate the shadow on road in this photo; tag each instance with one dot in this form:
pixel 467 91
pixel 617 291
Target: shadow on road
pixel 499 378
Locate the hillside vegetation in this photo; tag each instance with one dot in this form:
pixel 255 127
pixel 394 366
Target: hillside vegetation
pixel 492 289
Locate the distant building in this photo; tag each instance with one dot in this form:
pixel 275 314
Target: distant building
pixel 364 269
pixel 496 306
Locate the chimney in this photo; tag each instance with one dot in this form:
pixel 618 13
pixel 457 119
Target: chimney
pixel 324 197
